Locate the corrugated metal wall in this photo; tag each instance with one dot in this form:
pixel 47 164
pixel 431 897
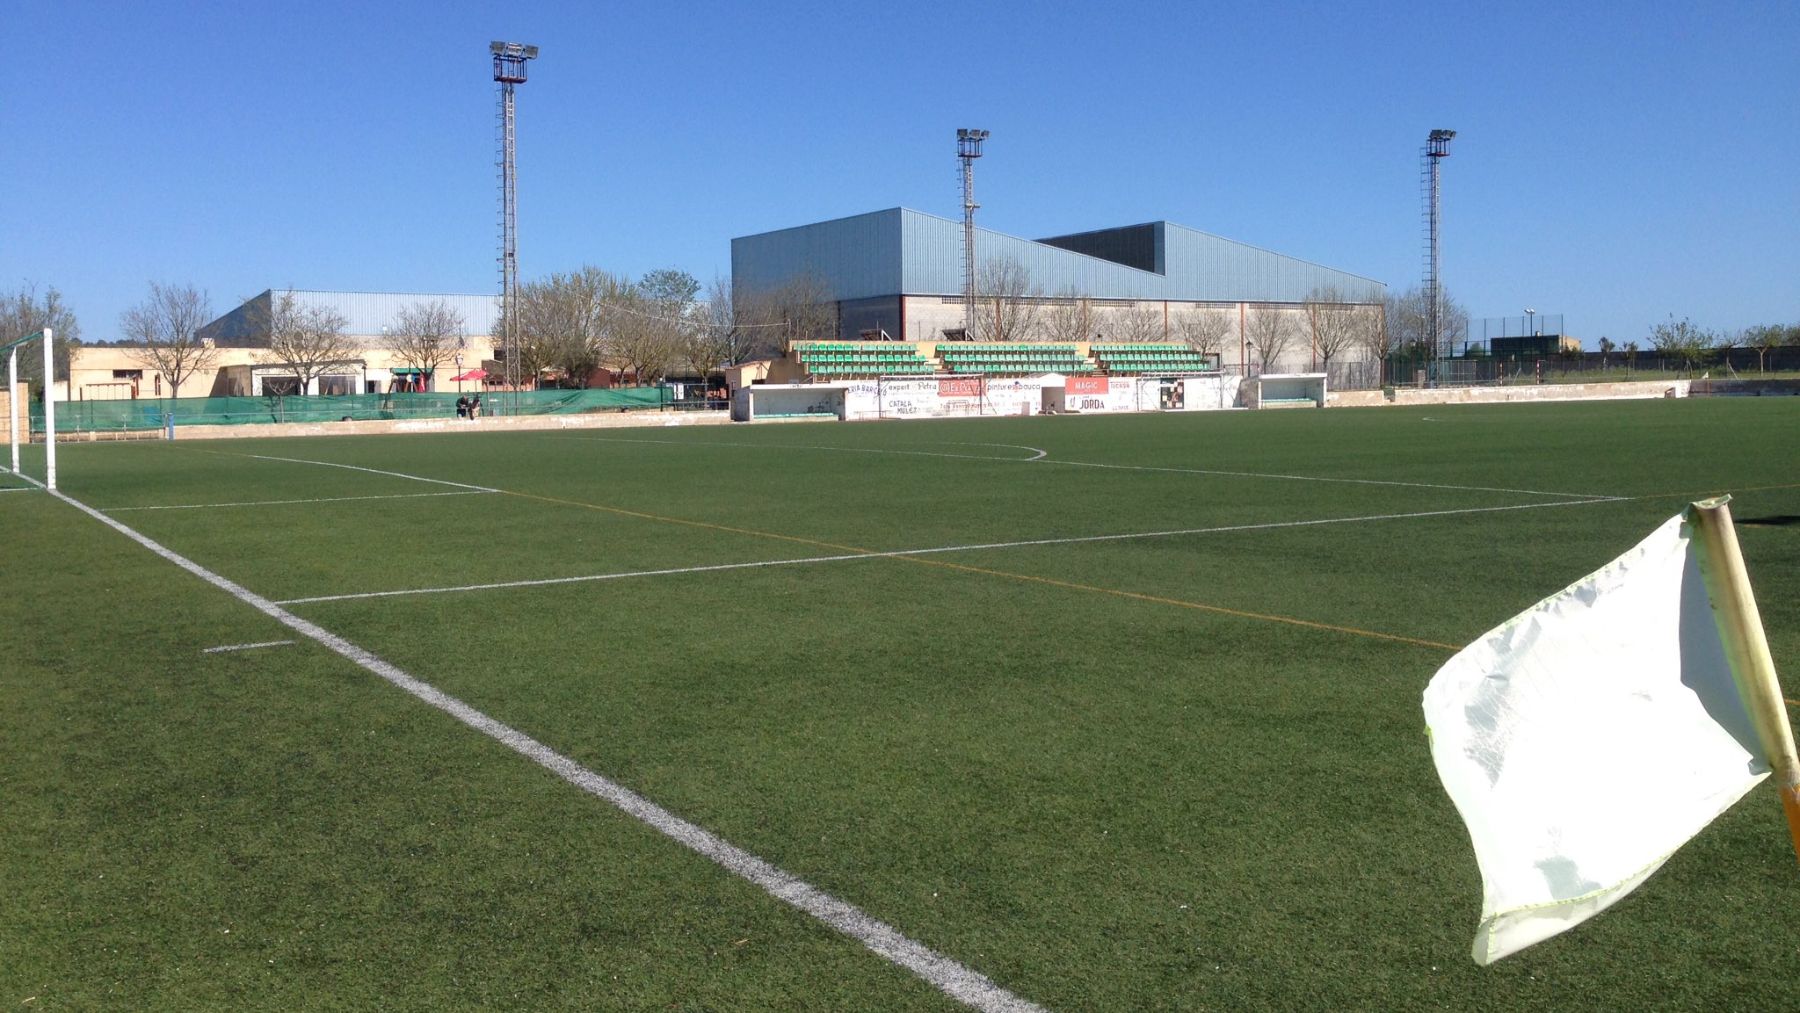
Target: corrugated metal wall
pixel 857 257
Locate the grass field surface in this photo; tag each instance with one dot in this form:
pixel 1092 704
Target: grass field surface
pixel 1112 712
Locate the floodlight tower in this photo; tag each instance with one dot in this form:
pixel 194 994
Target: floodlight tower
pixel 968 149
pixel 1437 148
pixel 509 70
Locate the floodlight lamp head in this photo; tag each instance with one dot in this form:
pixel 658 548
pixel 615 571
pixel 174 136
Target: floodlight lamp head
pixel 509 60
pixel 1443 135
pixel 968 142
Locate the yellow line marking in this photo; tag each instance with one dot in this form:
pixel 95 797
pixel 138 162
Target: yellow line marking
pixel 965 568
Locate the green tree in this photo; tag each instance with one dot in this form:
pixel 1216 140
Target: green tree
pixel 1765 338
pixel 1682 340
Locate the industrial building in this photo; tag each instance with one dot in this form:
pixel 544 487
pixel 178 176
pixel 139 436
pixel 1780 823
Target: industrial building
pixel 899 275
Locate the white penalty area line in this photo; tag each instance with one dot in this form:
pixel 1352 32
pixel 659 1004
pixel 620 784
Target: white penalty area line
pixel 246 647
pixel 935 550
pixel 292 502
pixel 961 983
pixel 372 471
pixel 1036 453
pixel 1043 457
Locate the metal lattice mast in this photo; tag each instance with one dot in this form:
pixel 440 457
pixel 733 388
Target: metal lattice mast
pixel 1437 148
pixel 968 149
pixel 509 70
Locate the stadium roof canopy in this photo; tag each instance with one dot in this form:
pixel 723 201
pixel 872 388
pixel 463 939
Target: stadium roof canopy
pixel 904 252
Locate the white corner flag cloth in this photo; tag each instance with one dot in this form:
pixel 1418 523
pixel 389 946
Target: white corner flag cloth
pixel 1588 738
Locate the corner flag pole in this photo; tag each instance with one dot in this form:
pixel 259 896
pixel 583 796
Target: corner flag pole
pixel 1747 648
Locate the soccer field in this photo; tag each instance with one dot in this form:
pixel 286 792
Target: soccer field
pixel 1082 712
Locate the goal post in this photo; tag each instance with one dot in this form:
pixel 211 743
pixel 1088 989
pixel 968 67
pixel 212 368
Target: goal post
pixel 11 348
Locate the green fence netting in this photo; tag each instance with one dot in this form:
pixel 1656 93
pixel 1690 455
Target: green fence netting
pixel 154 413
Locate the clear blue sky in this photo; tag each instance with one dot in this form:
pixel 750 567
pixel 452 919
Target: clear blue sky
pixel 1615 162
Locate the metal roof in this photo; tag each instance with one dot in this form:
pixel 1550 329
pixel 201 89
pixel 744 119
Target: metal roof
pixel 899 251
pixel 367 314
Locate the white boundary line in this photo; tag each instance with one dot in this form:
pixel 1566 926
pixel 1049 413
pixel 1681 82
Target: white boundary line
pixel 290 502
pixel 1038 454
pixel 962 983
pixel 1075 540
pixel 372 471
pixel 1042 457
pixel 246 647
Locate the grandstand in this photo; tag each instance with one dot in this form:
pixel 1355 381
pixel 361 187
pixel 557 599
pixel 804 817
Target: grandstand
pixel 1013 359
pixel 1152 358
pixel 831 361
pixel 849 359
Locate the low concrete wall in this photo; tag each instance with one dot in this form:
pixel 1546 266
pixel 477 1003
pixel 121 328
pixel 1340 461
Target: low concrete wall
pixel 1744 387
pixel 1354 398
pixel 1508 395
pixel 491 424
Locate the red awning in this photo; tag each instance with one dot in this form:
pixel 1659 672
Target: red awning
pixel 473 374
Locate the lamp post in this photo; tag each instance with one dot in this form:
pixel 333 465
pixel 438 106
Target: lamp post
pixel 1530 322
pixel 459 372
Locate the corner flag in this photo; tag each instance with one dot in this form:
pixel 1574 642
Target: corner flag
pixel 1590 736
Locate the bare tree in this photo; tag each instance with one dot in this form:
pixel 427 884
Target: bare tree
pixel 662 316
pixel 562 323
pixel 1270 330
pixel 1370 327
pixel 1006 303
pixel 1409 320
pixel 799 310
pixel 1138 324
pixel 307 339
pixel 1204 329
pixel 164 331
pixel 25 312
pixel 737 340
pixel 1069 318
pixel 424 336
pixel 1332 320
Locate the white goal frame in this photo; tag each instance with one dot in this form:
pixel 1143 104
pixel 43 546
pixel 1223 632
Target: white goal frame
pixel 11 348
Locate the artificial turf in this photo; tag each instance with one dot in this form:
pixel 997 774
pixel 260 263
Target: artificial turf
pixel 1182 772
